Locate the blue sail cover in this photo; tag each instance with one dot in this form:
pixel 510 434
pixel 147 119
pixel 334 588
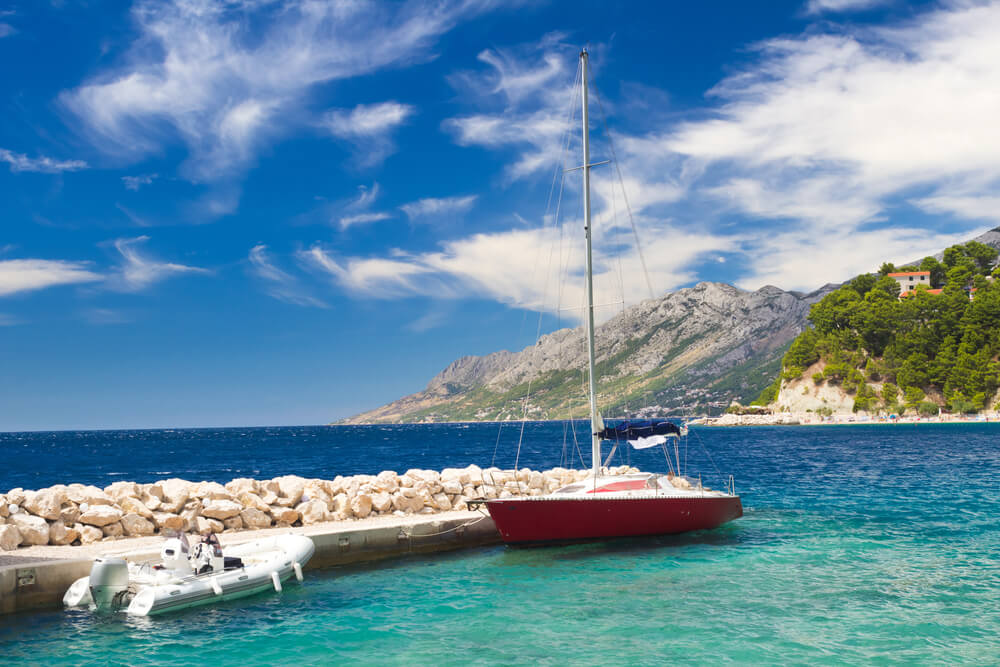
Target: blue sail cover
pixel 633 430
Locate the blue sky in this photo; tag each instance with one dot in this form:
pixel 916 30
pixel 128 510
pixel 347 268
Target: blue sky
pixel 260 212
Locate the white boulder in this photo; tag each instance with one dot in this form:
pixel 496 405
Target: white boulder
pixel 133 524
pixel 33 529
pixel 221 509
pixel 10 537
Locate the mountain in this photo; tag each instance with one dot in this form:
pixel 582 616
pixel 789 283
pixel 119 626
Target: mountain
pixel 689 351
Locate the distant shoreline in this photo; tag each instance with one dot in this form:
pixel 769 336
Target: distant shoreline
pixel 793 419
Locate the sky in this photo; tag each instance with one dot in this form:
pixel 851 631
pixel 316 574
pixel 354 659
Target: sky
pixel 262 212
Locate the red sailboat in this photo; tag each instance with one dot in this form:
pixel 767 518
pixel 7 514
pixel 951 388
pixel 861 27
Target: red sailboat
pixel 610 506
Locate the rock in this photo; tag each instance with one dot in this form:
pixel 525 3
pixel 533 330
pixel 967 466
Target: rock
pixel 33 529
pixel 91 495
pixel 248 499
pixel 459 504
pixel 316 490
pixel 10 537
pixel 536 480
pixel 61 534
pixel 233 523
pixel 101 515
pixel 88 534
pixel 340 506
pixel 119 490
pixel 221 509
pixel 441 502
pixel 269 497
pixel 152 503
pixel 4 506
pixel 211 491
pixel 451 487
pixel 387 480
pixel 15 496
pixel 285 515
pixel 312 511
pixel 204 524
pixel 406 480
pixel 46 503
pixel 381 502
pixel 290 488
pixel 113 531
pixel 191 511
pixel 69 514
pixel 242 485
pixel 134 524
pixel 459 475
pixel 134 506
pixel 254 519
pixel 175 494
pixel 155 490
pixel 167 522
pixel 361 505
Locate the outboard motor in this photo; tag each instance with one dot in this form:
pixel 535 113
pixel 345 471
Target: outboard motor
pixel 109 583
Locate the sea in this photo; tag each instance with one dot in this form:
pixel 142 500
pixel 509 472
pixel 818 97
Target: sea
pixel 860 545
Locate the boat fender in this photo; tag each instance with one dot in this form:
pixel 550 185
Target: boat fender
pixel 298 570
pixel 276 580
pixel 78 594
pixel 215 586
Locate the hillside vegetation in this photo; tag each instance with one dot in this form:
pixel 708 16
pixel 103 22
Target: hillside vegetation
pixel 921 353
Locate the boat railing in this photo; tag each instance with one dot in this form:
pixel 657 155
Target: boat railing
pixel 731 486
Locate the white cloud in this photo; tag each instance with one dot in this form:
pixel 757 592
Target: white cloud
pixel 136 182
pixel 138 271
pixel 822 6
pixel 24 275
pixel 423 208
pixel 226 78
pixel 104 316
pixel 279 284
pixel 804 261
pixel 45 165
pixel 970 207
pixel 366 196
pixel 7 320
pixel 362 218
pixel 368 128
pixel 6 30
pixel 538 269
pixel 534 84
pixel 366 120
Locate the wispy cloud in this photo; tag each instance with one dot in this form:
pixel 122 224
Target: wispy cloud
pixel 105 316
pixel 227 78
pixel 279 284
pixel 429 207
pixel 25 275
pixel 532 86
pixel 136 182
pixel 137 271
pixel 368 128
pixel 362 218
pixel 830 6
pixel 7 320
pixel 528 268
pixel 45 165
pixel 6 30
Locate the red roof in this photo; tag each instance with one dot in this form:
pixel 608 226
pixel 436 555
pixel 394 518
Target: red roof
pixel 909 273
pixel 913 291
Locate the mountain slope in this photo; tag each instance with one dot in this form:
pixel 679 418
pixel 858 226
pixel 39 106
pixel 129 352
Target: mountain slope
pixel 693 350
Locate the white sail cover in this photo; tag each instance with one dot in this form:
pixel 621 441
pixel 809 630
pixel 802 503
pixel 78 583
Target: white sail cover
pixel 646 443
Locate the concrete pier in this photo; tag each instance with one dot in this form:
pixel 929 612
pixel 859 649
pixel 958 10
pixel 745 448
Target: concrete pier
pixel 37 577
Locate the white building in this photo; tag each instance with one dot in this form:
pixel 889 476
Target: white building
pixel 909 280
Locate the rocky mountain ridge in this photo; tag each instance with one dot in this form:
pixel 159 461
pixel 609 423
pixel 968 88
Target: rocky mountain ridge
pixel 695 349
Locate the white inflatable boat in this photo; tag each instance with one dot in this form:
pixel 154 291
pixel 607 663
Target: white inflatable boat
pixel 191 577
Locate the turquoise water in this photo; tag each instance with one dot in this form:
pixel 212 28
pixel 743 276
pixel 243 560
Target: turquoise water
pixel 860 545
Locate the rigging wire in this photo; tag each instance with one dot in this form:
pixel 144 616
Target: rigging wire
pixel 621 180
pixel 560 174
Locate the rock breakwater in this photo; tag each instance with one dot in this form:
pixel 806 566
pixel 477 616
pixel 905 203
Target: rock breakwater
pixel 79 514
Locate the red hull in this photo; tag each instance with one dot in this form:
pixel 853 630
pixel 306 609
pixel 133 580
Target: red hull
pixel 552 520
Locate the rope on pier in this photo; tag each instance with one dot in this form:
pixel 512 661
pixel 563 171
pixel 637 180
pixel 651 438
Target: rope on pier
pixel 443 532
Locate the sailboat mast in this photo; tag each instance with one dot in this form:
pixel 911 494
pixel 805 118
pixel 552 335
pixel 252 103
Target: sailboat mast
pixel 595 452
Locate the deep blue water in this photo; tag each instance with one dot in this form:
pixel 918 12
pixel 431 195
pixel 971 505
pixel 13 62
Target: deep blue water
pixel 860 545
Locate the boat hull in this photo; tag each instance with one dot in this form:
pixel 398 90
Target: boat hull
pixel 539 520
